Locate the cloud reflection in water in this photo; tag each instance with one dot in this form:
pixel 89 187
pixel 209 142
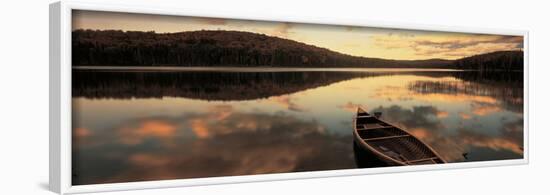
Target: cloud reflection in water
pixel 422 121
pixel 219 142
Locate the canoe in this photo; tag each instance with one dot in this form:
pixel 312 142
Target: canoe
pixel 391 144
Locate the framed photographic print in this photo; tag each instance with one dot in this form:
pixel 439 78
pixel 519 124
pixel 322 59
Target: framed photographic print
pixel 160 97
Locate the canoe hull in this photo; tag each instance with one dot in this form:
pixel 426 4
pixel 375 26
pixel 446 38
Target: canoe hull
pixel 390 145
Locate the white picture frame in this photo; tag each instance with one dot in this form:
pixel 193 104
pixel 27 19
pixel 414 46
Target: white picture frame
pixel 60 98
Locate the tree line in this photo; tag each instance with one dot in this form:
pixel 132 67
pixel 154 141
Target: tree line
pixel 234 48
pixel 198 48
pixel 499 60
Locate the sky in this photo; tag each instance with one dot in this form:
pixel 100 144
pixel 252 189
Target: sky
pixel 358 41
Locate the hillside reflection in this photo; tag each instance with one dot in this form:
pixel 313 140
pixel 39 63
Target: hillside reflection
pixel 206 85
pixel 202 85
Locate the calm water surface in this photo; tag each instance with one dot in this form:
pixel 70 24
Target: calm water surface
pixel 147 125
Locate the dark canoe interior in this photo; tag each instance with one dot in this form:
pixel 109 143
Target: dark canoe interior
pixel 393 142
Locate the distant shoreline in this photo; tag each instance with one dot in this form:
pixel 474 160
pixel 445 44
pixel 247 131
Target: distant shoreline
pixel 255 69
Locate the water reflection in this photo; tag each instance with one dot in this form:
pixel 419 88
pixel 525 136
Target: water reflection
pixel 140 126
pixel 219 142
pixel 202 85
pixel 453 142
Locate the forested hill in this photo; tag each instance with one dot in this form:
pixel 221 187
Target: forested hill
pixel 214 48
pixel 225 48
pixel 500 60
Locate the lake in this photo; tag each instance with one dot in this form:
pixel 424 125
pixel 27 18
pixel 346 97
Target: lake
pixel 141 125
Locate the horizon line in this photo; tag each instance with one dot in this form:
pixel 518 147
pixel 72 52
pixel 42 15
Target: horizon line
pixel 263 34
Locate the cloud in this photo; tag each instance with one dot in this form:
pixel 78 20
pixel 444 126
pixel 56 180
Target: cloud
pixel 400 33
pixel 82 132
pixel 81 136
pixel 200 128
pixel 454 44
pixel 220 112
pixel 282 29
pixel 287 102
pixel 464 116
pixel 484 109
pixel 511 138
pixel 148 160
pixel 136 133
pixel 462 47
pixel 418 116
pixel 448 46
pixel 351 107
pixel 442 114
pixel 387 41
pixel 242 143
pixel 213 21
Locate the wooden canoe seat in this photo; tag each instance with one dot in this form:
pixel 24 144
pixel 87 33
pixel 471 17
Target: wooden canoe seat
pixel 372 126
pixel 365 116
pixel 387 137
